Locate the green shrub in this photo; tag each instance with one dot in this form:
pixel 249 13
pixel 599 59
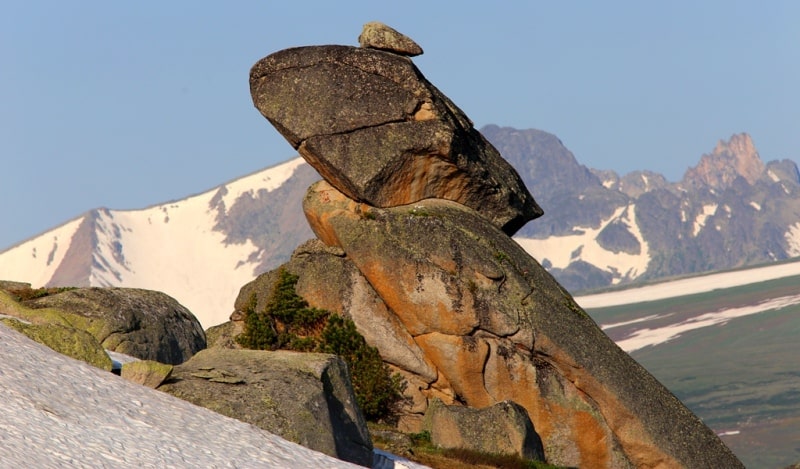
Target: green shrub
pixel 288 323
pixel 375 388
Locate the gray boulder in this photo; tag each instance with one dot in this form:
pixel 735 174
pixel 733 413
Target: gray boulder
pixel 371 124
pixel 503 428
pixel 145 324
pixel 303 397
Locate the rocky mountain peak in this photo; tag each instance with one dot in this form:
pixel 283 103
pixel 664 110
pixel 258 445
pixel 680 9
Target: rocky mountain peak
pixel 729 160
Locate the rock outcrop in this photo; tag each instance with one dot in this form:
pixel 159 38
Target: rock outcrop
pixel 370 123
pixel 305 398
pixel 145 324
pixel 434 281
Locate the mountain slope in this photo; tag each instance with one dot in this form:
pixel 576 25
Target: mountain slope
pixel 200 250
pixel 599 228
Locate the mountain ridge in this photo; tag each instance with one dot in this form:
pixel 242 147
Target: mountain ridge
pixel 599 228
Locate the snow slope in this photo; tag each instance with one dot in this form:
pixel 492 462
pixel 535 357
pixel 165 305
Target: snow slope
pixel 60 412
pixel 36 260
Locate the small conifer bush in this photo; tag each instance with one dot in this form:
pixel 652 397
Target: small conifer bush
pixel 288 323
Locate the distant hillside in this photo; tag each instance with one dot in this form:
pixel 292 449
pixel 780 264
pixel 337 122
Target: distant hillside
pixel 599 228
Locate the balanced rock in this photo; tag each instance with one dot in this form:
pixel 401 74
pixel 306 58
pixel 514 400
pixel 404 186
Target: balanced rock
pixel 303 397
pixel 371 124
pixel 145 324
pixel 503 428
pixel 496 326
pixel 377 35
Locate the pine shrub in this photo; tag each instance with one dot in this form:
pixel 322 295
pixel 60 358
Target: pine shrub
pixel 288 323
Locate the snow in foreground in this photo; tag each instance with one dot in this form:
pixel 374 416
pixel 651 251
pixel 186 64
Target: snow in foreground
pixel 59 412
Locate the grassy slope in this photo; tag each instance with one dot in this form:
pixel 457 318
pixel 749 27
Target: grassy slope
pixel 742 376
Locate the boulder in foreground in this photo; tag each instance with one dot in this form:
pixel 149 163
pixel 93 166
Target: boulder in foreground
pixel 303 397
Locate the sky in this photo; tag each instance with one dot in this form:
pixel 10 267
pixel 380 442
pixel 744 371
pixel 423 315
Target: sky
pixel 129 104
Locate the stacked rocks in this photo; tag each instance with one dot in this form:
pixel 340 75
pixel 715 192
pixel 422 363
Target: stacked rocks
pixel 413 221
pixel 375 129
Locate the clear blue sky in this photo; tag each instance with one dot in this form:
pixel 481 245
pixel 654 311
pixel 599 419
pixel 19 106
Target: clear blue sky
pixel 129 104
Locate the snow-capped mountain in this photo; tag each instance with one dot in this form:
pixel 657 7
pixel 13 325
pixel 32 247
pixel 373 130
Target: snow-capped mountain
pixel 599 228
pixel 199 250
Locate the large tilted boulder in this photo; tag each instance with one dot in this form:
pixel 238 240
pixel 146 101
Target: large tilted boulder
pixel 145 324
pixel 496 326
pixel 303 397
pixel 371 124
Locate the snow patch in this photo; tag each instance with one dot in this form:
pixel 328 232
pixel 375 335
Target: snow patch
pixel 700 220
pixel 561 250
pixel 756 206
pixel 628 323
pixel 773 176
pixel 648 337
pixel 792 237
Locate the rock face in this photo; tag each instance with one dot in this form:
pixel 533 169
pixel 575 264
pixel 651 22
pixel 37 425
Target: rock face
pixel 503 428
pixel 305 398
pixel 434 281
pixel 381 133
pixel 145 324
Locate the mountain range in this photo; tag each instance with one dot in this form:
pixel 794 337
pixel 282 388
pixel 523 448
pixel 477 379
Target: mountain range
pixel 599 229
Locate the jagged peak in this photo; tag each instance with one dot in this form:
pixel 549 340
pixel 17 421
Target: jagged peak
pixel 729 160
pixel 740 145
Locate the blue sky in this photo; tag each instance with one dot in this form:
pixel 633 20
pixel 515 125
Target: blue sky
pixel 129 104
